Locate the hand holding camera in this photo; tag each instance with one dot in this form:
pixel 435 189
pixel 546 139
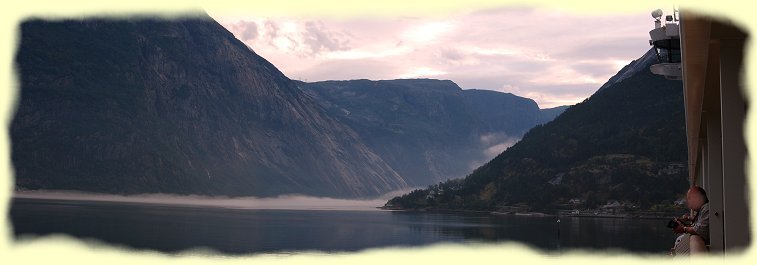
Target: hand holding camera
pixel 679 224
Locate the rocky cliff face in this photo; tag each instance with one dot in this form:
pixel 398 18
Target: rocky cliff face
pixel 428 130
pixel 176 106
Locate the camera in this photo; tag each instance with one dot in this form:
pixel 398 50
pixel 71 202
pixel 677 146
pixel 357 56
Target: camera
pixel 673 224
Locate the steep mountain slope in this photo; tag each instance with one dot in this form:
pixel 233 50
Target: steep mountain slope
pixel 428 130
pixel 174 106
pixel 636 66
pixel 625 143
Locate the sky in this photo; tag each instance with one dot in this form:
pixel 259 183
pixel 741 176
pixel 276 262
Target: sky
pixel 553 57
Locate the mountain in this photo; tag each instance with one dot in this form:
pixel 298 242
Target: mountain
pixel 636 66
pixel 625 143
pixel 174 106
pixel 428 130
pixel 506 113
pixel 549 114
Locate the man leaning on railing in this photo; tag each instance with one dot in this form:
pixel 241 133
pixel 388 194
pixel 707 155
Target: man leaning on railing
pixel 695 232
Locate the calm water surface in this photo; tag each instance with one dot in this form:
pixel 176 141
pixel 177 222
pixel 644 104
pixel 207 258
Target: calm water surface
pixel 236 231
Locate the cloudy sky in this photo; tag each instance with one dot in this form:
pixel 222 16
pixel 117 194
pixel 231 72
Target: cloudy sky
pixel 553 57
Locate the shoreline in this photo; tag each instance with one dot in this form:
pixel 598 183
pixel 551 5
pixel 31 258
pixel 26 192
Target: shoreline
pixel 277 203
pixel 528 214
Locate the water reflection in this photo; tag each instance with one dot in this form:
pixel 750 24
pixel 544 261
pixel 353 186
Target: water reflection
pixel 638 235
pixel 174 228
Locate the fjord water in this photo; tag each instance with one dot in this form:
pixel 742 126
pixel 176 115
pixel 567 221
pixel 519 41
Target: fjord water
pixel 172 228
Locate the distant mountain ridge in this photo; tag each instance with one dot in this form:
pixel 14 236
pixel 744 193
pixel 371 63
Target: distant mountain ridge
pixel 429 130
pixel 549 114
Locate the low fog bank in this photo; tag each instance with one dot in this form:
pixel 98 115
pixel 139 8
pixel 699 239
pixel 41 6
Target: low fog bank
pixel 283 202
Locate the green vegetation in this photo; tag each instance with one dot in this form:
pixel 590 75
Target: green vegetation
pixel 626 143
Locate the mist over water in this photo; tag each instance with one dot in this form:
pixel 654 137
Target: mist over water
pixel 283 202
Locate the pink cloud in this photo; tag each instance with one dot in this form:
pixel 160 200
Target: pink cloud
pixel 553 57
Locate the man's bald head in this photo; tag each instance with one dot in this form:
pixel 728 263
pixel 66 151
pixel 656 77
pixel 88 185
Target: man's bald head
pixel 696 197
